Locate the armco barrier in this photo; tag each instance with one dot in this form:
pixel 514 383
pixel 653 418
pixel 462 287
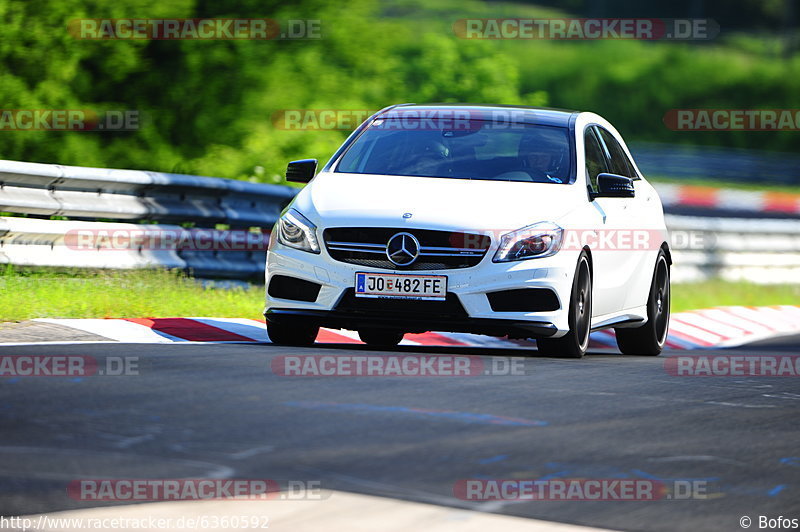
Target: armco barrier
pixel 754 249
pixel 713 162
pixel 764 251
pixel 57 244
pixel 757 250
pixel 90 193
pixel 80 193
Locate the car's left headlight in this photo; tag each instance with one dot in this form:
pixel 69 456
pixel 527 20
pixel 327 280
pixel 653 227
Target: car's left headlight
pixel 531 242
pixel 295 231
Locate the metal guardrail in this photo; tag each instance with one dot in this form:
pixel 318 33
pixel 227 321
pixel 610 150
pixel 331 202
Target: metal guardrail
pixel 703 247
pixel 712 162
pixel 758 250
pixel 121 246
pixel 90 193
pixel 764 251
pixel 45 190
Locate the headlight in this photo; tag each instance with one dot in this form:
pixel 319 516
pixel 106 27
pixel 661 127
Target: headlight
pixel 295 231
pixel 531 242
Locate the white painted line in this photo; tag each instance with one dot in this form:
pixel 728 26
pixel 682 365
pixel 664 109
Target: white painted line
pixel 790 309
pixel 678 326
pixel 409 342
pixel 714 326
pixel 338 511
pixel 758 317
pixel 353 335
pixel 721 315
pixel 791 322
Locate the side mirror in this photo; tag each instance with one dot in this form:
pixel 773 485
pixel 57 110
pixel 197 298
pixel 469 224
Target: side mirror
pixel 614 186
pixel 301 171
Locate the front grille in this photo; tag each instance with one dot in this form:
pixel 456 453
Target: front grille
pixel 439 250
pixel 401 308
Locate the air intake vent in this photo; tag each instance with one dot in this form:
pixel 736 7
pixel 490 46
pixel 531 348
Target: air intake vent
pixel 524 300
pixel 284 287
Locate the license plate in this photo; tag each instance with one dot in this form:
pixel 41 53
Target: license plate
pixel 389 285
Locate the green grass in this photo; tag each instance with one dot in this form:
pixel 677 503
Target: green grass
pixel 120 294
pixel 715 293
pixel 159 294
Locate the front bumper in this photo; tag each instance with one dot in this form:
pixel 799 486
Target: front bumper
pixel 468 285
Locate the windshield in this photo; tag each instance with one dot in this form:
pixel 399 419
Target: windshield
pixel 486 150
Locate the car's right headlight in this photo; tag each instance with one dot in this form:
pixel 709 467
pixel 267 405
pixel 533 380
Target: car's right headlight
pixel 531 242
pixel 295 231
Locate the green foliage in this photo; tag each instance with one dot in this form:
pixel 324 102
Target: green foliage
pixel 208 106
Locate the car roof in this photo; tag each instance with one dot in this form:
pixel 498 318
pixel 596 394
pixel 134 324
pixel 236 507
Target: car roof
pixel 529 115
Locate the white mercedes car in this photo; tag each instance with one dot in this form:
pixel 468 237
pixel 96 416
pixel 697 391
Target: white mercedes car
pixel 504 221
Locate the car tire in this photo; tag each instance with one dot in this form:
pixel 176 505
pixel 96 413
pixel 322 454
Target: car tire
pixel 292 334
pixel 576 341
pixel 380 337
pixel 649 339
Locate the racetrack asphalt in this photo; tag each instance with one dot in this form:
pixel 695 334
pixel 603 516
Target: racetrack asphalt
pixel 199 410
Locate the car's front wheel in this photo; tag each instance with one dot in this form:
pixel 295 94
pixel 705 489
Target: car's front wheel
pixel 576 341
pixel 649 339
pixel 380 337
pixel 294 334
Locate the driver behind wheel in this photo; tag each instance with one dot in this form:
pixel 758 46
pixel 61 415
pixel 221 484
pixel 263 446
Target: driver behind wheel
pixel 426 159
pixel 541 157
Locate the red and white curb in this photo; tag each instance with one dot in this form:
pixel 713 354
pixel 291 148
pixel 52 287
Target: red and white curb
pixel 728 199
pixel 697 329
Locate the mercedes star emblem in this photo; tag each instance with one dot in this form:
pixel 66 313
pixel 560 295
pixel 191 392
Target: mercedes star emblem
pixel 402 249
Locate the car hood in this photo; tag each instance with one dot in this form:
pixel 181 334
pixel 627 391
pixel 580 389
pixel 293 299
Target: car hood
pixel 339 199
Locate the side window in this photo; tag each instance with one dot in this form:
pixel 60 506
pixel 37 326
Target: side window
pixel 618 162
pixel 595 160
